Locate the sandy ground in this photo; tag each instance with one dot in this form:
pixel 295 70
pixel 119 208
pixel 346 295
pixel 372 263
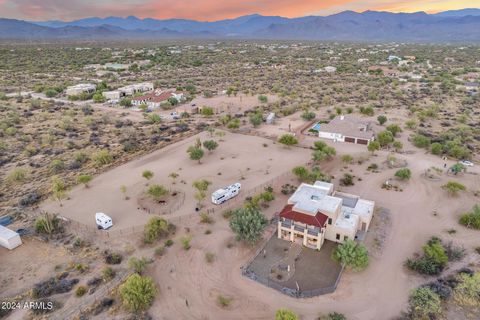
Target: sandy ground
pixel 237 156
pixel 380 292
pixel 25 265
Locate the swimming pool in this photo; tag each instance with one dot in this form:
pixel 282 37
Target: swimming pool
pixel 316 127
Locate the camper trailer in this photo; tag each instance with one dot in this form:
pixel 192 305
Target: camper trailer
pixel 103 221
pixel 222 195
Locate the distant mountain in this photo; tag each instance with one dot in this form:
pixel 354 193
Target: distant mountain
pixel 449 26
pixel 459 13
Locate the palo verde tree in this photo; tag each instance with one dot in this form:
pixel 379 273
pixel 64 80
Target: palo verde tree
pixel 210 145
pixel 201 186
pixel 288 140
pixel 248 223
pixel 321 151
pixel 352 255
pixel 137 293
pixel 284 314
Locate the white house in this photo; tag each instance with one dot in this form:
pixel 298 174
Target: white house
pixel 346 128
pixel 80 88
pixel 315 213
pixel 154 99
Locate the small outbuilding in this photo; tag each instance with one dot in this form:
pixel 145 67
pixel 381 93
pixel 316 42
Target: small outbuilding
pixel 9 239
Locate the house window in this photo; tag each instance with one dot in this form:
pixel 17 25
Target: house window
pixel 345 238
pixel 338 236
pixel 329 220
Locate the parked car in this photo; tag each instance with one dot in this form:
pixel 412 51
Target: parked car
pixel 466 163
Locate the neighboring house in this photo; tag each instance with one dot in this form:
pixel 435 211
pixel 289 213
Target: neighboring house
pixel 346 128
pixel 315 213
pixel 116 66
pixel 80 88
pixel 155 99
pixel 129 90
pixel 330 69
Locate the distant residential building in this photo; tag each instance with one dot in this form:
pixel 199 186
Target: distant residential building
pixel 129 90
pixel 155 99
pixel 315 213
pixel 411 58
pixel 393 58
pixel 116 66
pixel 330 69
pixel 80 88
pixel 346 128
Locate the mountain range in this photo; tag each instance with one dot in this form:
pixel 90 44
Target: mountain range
pixel 448 26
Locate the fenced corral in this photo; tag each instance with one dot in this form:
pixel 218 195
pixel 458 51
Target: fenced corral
pixel 158 210
pixel 292 288
pixel 73 311
pixel 89 232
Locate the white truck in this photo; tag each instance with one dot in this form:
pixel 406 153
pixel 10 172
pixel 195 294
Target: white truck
pixel 226 193
pixel 103 221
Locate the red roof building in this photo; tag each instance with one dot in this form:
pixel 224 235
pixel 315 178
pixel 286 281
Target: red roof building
pixel 317 220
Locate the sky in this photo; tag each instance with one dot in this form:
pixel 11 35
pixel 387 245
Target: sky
pixel 210 10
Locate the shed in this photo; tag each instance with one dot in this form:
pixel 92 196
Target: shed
pixel 9 239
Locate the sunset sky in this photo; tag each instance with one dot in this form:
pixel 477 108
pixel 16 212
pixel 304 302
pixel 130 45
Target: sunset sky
pixel 209 10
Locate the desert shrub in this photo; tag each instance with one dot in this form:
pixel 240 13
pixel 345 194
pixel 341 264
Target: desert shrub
pixel 352 255
pixel 403 174
pixel 347 180
pixel 168 243
pixel 56 166
pixel 30 199
pixel 108 274
pixel 333 316
pixel 420 141
pixel 17 175
pixel 48 224
pixel 155 229
pixel 137 293
pixel 308 115
pixel 433 261
pixel 223 301
pixel 424 303
pixel 321 151
pixel 102 157
pixel 288 140
pixel 157 191
pixel 207 111
pixel 381 119
pixel 453 188
pixel 248 224
pixel 263 98
pixel 436 148
pixel 209 257
pixel 384 138
pixel 138 265
pixel 471 219
pixel 284 314
pixel 159 251
pixel 210 145
pixel 113 257
pixel 186 242
pixel 81 290
pixel 206 218
pixel 394 129
pixel 454 252
pixel 467 292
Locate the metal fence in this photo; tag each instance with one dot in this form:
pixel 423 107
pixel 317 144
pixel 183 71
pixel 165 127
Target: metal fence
pixel 97 296
pixel 277 286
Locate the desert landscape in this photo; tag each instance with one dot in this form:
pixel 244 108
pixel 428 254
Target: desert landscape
pixel 147 179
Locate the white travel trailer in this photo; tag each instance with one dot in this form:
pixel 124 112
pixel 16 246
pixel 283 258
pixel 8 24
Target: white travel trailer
pixel 9 239
pixel 103 221
pixel 224 194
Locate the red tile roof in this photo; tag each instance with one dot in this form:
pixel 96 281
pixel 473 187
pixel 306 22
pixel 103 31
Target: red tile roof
pixel 318 220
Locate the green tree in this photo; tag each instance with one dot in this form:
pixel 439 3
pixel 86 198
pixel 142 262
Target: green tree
pixel 201 186
pixel 84 179
pixel 248 224
pixel 322 151
pixel 457 168
pixel 155 229
pixel 256 119
pixel 262 98
pixel 394 129
pixel 284 314
pixel 207 111
pixel 420 141
pixel 381 119
pixel 308 115
pixel 403 174
pixel 453 188
pixel 210 145
pixel 397 145
pixel 373 146
pixel 436 148
pixel 195 153
pixel 300 172
pixel 102 157
pixel 424 303
pixel 384 138
pixel 98 97
pixel 288 140
pixel 137 293
pixel 157 191
pixel 352 255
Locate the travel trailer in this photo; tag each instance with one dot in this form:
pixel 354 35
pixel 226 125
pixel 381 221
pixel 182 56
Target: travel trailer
pixel 222 195
pixel 103 221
